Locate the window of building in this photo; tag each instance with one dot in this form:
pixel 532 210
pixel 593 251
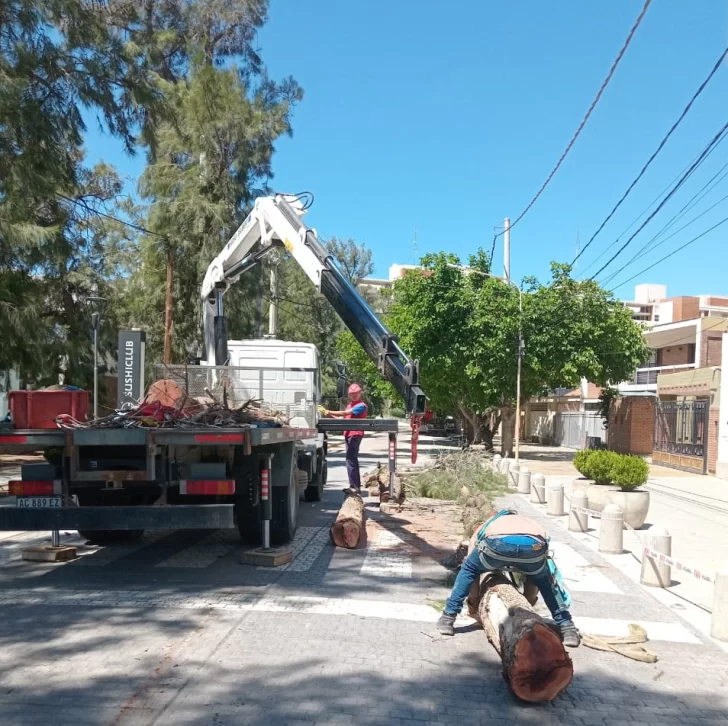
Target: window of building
pixel 691 353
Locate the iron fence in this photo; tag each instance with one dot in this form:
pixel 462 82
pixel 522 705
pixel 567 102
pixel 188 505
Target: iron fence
pixel 681 426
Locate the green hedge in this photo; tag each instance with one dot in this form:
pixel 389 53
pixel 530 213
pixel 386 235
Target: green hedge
pixel 630 472
pixel 609 467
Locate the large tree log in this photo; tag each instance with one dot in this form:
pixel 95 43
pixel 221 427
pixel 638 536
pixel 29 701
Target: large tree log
pixel 346 531
pixel 536 665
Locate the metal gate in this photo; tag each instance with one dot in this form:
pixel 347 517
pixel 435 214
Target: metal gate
pixel 680 434
pixel 573 429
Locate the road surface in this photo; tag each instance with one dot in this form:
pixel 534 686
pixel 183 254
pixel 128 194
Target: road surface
pixel 173 630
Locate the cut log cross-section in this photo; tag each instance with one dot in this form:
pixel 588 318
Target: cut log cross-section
pixel 347 530
pixel 536 665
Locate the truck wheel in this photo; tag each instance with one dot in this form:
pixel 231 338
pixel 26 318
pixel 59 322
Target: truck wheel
pixel 285 511
pixel 111 536
pixel 315 490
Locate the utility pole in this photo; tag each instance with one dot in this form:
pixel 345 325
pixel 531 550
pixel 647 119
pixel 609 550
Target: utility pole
pixel 259 308
pixel 507 248
pixel 517 428
pixel 273 313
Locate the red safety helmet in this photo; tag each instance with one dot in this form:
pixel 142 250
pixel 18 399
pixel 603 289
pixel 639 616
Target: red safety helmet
pixel 354 388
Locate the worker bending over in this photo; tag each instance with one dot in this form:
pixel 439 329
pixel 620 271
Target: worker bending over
pixel 511 543
pixel 356 408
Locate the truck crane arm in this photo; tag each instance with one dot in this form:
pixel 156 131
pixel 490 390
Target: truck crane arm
pixel 276 221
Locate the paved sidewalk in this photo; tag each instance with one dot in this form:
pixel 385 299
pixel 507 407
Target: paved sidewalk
pixel 694 509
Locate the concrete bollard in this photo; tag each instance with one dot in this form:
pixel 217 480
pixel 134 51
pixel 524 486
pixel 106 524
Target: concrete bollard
pixel 496 462
pixel 524 480
pixel 611 529
pixel 654 573
pixel 555 500
pixel 513 472
pixel 719 621
pixel 538 489
pixel 578 521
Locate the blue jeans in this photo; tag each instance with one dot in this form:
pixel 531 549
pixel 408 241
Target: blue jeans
pixel 475 565
pixel 352 460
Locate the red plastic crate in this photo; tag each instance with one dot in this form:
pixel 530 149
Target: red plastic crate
pixel 38 409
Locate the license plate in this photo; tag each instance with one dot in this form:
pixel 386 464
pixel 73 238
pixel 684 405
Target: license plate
pixel 38 502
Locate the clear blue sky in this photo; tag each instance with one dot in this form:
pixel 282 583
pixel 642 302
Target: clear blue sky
pixel 450 116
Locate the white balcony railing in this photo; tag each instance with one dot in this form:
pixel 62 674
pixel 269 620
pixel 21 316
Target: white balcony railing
pixel 648 376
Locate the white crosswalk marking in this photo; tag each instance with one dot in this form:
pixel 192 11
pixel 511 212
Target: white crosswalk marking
pixel 387 556
pixel 578 573
pixel 309 555
pixel 670 632
pixel 302 537
pixel 206 552
pixel 102 556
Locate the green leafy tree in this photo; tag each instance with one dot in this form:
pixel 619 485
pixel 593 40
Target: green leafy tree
pixel 209 162
pixel 56 57
pixel 464 325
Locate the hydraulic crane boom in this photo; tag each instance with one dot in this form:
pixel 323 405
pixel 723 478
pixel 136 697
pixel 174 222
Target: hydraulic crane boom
pixel 276 221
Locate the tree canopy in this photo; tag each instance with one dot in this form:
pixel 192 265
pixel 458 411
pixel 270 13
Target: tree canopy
pixel 463 326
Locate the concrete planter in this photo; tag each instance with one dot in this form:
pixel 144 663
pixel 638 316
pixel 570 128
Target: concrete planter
pixel 634 504
pixel 597 494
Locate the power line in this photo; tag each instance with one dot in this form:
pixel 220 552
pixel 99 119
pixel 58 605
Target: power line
pixel 715 140
pixel 674 252
pixel 653 245
pixel 603 87
pixel 96 212
pixel 659 148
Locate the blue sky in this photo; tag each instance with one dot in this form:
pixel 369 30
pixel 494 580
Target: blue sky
pixel 449 117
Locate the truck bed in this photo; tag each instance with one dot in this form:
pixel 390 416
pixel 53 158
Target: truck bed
pixel 249 436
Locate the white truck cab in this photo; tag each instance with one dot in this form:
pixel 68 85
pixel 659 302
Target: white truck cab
pixel 286 376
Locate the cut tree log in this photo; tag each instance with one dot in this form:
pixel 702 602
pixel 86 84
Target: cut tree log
pixel 377 482
pixel 536 665
pixel 347 530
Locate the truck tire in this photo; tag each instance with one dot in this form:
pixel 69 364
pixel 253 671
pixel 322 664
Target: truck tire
pixel 111 536
pixel 285 511
pixel 315 490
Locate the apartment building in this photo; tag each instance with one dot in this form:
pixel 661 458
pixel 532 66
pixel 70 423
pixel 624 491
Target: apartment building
pixel 684 333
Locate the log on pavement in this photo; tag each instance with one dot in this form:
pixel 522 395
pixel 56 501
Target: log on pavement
pixel 536 665
pixel 347 530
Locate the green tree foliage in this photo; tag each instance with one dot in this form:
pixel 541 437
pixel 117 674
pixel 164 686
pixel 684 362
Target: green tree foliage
pixel 57 56
pixel 209 162
pixel 463 326
pixel 306 316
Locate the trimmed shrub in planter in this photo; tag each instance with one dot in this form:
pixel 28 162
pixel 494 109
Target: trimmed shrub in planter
pixel 581 461
pixel 600 466
pixel 629 472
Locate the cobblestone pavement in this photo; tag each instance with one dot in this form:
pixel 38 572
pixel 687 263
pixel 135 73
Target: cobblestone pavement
pixel 173 630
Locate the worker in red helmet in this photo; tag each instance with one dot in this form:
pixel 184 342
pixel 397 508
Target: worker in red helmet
pixel 356 408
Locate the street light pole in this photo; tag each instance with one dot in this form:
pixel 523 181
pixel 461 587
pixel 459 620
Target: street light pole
pixel 95 324
pixel 98 302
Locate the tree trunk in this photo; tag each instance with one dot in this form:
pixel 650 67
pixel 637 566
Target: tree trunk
pixel 536 665
pixel 347 530
pixel 508 419
pixel 168 309
pixel 469 425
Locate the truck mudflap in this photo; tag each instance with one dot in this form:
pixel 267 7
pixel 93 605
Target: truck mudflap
pixel 179 516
